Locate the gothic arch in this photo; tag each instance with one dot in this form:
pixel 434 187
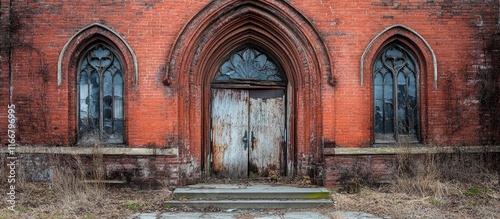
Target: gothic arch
pixel 223 26
pixel 403 31
pixel 88 33
pixel 425 60
pixel 72 53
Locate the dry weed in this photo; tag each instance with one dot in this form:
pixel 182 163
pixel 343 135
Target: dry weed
pixel 67 195
pixel 421 177
pixel 75 196
pixel 429 186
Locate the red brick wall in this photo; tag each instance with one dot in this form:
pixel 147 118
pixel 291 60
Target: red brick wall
pixel 143 171
pixel 450 27
pixel 455 30
pixel 347 171
pixel 342 170
pixel 46 27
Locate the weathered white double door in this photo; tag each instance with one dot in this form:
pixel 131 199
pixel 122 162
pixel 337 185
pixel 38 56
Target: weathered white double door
pixel 248 132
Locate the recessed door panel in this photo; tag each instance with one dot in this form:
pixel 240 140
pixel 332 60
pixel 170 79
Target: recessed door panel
pixel 267 126
pixel 248 129
pixel 230 133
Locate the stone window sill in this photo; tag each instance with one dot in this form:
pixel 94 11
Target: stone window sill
pixel 391 149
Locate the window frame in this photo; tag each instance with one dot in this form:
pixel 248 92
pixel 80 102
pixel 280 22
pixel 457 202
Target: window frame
pixel 396 136
pixel 85 52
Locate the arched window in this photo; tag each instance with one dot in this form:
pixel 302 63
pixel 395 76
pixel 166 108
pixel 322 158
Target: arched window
pixel 249 65
pixel 395 89
pixel 100 96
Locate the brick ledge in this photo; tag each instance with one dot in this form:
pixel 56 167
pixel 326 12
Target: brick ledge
pixel 91 150
pixel 410 150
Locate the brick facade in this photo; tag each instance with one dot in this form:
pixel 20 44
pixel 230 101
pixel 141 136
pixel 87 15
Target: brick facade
pixel 171 50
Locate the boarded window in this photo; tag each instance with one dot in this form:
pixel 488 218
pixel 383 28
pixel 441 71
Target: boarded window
pixel 395 85
pixel 100 92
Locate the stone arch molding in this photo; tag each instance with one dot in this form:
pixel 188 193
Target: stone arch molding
pixel 233 22
pixel 395 30
pixel 88 32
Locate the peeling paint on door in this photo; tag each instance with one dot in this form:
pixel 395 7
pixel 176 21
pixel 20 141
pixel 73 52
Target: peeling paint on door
pixel 229 127
pixel 247 132
pixel 267 125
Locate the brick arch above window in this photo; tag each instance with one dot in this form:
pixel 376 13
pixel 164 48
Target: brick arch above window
pixel 404 33
pixel 88 34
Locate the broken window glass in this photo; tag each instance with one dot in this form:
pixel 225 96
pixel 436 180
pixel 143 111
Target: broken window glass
pixel 100 97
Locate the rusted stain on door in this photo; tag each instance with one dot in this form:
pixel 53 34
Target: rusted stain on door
pixel 247 132
pixel 229 124
pixel 267 125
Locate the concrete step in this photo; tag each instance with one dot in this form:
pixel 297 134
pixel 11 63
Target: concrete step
pixel 251 204
pixel 249 196
pixel 252 191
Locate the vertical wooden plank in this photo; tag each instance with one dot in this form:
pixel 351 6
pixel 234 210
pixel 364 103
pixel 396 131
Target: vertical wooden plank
pixel 229 124
pixel 289 151
pixel 267 127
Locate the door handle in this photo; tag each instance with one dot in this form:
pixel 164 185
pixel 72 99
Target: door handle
pixel 253 139
pixel 245 140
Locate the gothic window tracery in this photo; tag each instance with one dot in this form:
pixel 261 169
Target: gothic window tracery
pixel 395 77
pixel 251 65
pixel 100 92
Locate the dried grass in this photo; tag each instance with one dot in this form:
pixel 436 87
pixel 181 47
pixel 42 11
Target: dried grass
pixel 426 186
pixel 422 179
pixel 423 188
pixel 68 195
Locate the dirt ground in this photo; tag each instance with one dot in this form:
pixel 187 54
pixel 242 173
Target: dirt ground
pixel 44 200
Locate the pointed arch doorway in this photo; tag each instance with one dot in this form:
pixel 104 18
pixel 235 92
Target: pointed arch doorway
pixel 290 41
pixel 248 116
